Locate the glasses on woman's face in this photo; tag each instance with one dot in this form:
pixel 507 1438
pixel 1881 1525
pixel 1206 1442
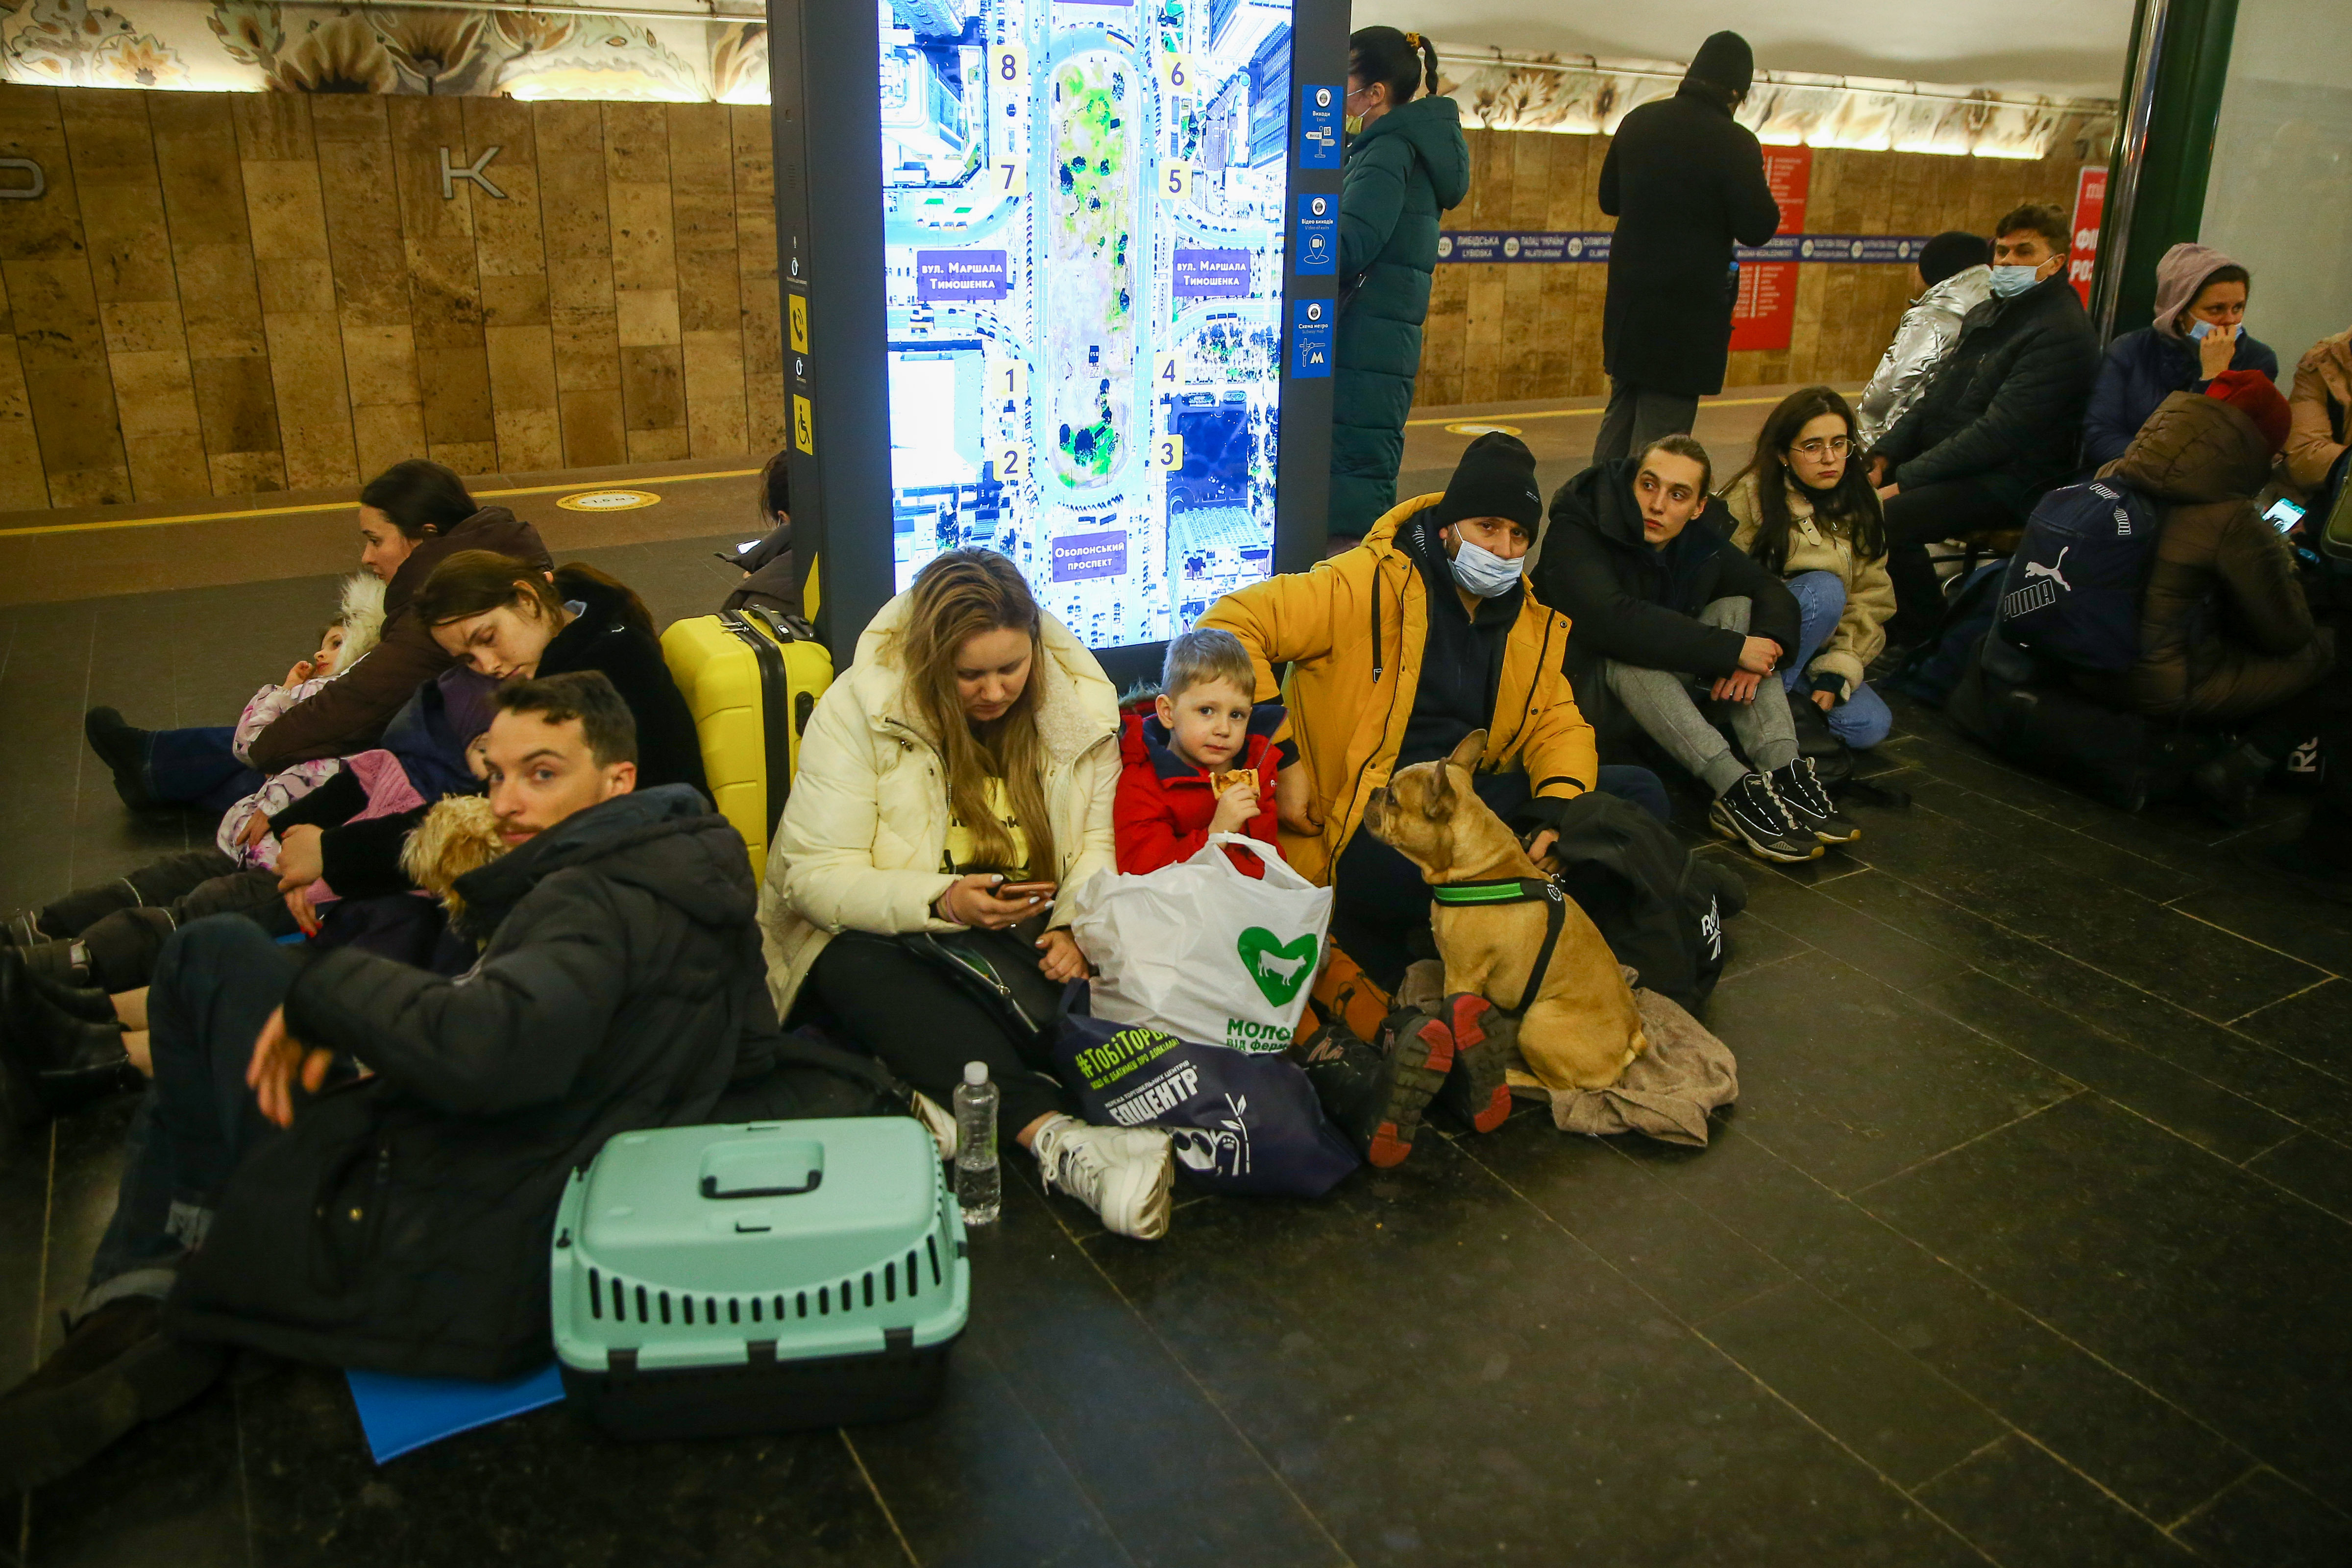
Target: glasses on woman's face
pixel 1818 449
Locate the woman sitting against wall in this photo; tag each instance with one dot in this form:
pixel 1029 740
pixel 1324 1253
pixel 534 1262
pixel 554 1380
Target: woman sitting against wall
pixel 1804 508
pixel 2320 409
pixel 413 516
pixel 971 747
pixel 2198 332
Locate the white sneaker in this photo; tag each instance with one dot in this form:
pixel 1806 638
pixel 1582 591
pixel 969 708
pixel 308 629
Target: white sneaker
pixel 1123 1174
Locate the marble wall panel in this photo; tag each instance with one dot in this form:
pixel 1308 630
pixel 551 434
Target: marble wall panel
pixel 223 292
pixel 1498 333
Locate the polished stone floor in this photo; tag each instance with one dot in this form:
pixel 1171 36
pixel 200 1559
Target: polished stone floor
pixel 2029 1242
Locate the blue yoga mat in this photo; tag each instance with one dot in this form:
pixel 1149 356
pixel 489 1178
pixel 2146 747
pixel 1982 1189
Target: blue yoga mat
pixel 402 1414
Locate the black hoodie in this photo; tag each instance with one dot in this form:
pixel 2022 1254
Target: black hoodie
pixel 1628 601
pixel 403 1224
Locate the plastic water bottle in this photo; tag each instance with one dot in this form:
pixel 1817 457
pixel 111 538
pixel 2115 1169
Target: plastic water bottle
pixel 979 1183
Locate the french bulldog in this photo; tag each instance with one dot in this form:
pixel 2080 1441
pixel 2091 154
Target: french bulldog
pixel 1580 1029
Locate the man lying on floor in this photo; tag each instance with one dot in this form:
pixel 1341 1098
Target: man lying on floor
pixel 400 1222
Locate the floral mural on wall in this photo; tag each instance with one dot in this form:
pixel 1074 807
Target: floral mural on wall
pixel 256 46
pixel 1583 95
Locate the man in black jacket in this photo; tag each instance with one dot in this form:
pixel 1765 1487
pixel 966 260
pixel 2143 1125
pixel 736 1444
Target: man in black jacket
pixel 400 1222
pixel 1685 181
pixel 1999 423
pixel 1656 600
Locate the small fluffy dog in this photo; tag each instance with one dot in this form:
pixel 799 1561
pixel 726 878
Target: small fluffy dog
pixel 460 834
pixel 1581 1028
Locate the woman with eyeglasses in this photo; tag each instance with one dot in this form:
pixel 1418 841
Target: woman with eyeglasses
pixel 1803 507
pixel 1406 163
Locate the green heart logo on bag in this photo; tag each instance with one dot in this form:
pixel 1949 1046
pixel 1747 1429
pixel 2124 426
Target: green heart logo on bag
pixel 1279 968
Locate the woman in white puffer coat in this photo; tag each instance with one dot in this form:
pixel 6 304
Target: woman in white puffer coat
pixel 970 748
pixel 1954 277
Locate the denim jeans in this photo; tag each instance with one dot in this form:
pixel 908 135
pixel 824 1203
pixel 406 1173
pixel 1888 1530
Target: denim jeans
pixel 1863 720
pixel 216 984
pixel 196 767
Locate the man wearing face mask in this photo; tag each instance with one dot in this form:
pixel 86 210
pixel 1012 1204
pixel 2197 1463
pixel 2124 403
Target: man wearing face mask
pixel 2001 422
pixel 1398 648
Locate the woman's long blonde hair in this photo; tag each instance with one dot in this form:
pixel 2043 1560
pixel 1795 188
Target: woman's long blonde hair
pixel 960 596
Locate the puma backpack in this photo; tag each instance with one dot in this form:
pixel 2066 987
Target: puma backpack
pixel 2072 589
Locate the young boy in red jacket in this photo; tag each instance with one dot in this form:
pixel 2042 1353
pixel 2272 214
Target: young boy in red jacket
pixel 1203 762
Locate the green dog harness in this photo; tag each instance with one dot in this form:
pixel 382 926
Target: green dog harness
pixel 1515 891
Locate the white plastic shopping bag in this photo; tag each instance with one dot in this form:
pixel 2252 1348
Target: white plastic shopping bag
pixel 1201 950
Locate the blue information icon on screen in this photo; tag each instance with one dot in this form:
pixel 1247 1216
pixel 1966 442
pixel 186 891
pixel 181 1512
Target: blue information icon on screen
pixel 1319 125
pixel 1310 337
pixel 1318 250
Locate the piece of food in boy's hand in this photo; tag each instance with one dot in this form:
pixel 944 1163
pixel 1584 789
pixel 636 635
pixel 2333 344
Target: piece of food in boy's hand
pixel 1220 783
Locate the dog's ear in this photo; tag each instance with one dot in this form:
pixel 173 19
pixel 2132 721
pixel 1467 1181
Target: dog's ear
pixel 1437 801
pixel 1470 752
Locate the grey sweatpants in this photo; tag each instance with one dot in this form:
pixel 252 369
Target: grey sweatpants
pixel 1665 704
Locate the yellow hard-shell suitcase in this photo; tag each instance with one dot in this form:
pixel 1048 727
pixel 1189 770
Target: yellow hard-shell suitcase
pixel 751 678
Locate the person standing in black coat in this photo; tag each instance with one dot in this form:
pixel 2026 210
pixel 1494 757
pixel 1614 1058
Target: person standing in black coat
pixel 1685 181
pixel 401 1221
pixel 1999 423
pixel 1664 611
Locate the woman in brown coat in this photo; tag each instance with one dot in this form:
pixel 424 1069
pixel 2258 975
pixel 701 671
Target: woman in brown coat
pixel 2201 457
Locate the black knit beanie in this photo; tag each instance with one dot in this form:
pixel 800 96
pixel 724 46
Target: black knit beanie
pixel 1954 250
pixel 1725 60
pixel 1496 478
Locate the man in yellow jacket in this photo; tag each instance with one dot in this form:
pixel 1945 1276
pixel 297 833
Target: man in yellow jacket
pixel 1398 649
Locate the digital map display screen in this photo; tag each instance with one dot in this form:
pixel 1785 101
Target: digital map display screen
pixel 1083 232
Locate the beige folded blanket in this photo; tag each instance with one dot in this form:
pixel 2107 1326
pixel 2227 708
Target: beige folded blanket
pixel 1663 1093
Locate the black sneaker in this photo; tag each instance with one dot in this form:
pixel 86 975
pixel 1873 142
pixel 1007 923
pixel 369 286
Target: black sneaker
pixel 1809 804
pixel 1751 816
pixel 123 749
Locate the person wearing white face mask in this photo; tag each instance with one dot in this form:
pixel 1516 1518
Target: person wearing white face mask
pixel 1999 423
pixel 1398 649
pixel 2199 332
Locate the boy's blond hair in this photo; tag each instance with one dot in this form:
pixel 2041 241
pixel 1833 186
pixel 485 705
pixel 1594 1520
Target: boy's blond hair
pixel 1198 657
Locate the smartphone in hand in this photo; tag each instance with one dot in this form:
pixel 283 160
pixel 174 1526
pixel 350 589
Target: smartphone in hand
pixel 1035 892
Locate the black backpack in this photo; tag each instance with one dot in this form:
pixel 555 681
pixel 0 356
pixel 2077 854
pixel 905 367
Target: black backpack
pixel 2072 589
pixel 1660 909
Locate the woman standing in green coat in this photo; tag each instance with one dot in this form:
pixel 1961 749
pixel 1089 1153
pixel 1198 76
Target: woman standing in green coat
pixel 1406 163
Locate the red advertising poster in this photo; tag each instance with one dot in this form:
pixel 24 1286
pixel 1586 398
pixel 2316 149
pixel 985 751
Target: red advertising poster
pixel 1766 310
pixel 2089 205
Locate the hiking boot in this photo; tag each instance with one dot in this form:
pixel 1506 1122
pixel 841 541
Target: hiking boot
pixel 123 749
pixel 1375 1096
pixel 86 1002
pixel 1123 1174
pixel 1808 805
pixel 116 1370
pixel 1751 816
pixel 1484 1043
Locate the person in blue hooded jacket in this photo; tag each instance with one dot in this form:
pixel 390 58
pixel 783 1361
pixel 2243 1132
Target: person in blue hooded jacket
pixel 1407 162
pixel 2198 332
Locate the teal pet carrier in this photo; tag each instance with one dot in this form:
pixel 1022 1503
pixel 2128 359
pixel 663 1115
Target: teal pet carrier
pixel 709 1280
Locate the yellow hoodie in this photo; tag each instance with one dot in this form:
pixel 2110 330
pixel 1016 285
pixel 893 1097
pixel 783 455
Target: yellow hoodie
pixel 1353 630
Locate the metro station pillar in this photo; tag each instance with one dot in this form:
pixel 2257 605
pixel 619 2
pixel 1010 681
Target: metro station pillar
pixel 1059 280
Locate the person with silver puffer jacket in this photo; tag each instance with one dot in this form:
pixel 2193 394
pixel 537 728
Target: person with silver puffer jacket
pixel 1954 277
